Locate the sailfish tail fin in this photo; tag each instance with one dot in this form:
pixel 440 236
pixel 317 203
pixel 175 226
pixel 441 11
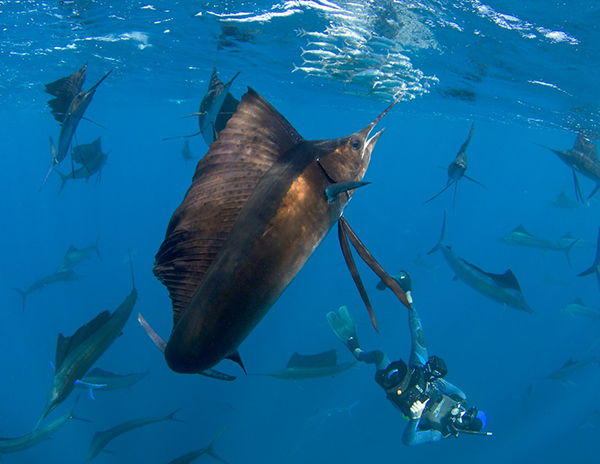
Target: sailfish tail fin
pixel 63 180
pixel 568 249
pixel 172 416
pixel 595 266
pixel 210 449
pixel 591 270
pixel 441 240
pixel 23 295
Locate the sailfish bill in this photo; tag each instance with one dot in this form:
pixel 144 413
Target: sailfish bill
pixel 256 211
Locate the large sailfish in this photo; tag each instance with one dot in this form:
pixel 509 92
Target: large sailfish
pixel 261 201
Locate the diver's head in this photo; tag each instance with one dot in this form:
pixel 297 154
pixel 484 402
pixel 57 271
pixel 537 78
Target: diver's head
pixel 403 280
pixel 479 422
pixel 469 419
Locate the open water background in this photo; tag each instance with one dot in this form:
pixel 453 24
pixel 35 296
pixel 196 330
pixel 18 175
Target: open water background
pixel 524 71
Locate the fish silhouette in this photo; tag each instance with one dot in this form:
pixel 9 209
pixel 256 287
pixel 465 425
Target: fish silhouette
pixel 583 157
pixel 75 355
pixel 314 366
pixel 503 288
pixel 216 108
pixel 68 107
pixel 457 169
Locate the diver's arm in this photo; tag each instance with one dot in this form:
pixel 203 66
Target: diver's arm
pixel 451 389
pixel 418 350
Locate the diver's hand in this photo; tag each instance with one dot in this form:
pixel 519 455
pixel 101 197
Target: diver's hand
pixel 416 410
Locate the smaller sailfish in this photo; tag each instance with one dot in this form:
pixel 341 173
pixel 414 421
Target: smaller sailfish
pixel 209 449
pixel 61 275
pixel 109 380
pixel 15 445
pixel 457 169
pixel 74 256
pixel 216 108
pixel 68 107
pixel 92 159
pixel 503 288
pixel 186 152
pixel 75 355
pixel 301 367
pixel 520 237
pixel 583 157
pixel 579 308
pixel 570 367
pixel 101 439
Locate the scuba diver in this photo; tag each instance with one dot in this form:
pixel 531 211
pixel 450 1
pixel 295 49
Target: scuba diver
pixel 436 409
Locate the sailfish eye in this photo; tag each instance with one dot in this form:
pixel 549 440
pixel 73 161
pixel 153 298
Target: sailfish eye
pixel 356 144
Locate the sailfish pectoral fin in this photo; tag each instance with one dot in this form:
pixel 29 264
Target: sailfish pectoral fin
pixel 336 189
pixel 235 357
pixel 161 345
pixel 94 122
pixel 473 180
pixel 594 191
pixel 440 192
pixel 157 339
pixel 578 194
pixel 182 136
pixel 372 262
pixel 354 270
pixel 217 375
pixel 89 385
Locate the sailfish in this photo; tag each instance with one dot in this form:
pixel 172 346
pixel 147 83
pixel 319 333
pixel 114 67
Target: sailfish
pixel 457 169
pixel 314 366
pixel 216 108
pixel 503 288
pixel 261 201
pixel 68 107
pixel 75 355
pixel 583 157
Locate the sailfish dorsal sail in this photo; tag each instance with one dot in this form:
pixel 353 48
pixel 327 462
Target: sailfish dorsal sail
pixel 255 137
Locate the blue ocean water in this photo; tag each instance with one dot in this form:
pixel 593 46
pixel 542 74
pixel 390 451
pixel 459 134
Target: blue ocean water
pixel 525 72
